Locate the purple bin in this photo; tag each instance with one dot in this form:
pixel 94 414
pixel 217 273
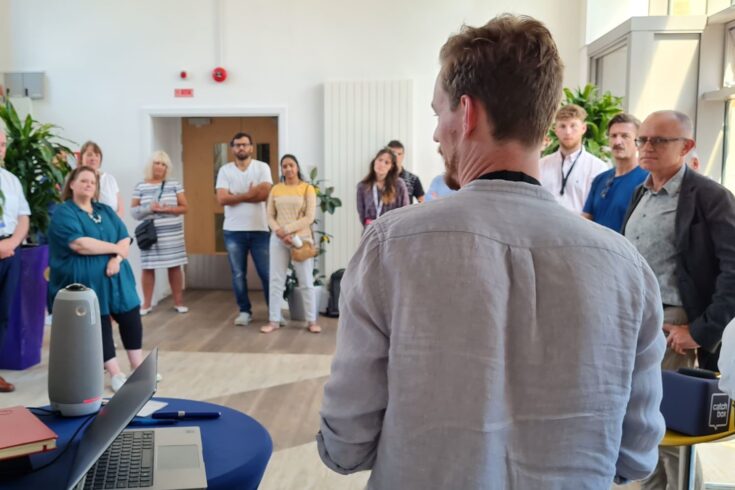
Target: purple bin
pixel 24 337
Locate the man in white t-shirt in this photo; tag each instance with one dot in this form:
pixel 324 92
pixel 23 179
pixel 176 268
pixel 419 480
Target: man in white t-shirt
pixel 568 172
pixel 14 222
pixel 242 188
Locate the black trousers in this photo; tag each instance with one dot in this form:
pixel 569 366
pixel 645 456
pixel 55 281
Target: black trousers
pixel 131 332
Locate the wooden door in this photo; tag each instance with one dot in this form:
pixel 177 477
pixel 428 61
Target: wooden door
pixel 205 142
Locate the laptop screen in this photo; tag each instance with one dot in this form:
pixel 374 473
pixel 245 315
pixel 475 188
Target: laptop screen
pixel 114 417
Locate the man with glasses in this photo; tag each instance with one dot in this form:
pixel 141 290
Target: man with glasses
pixel 684 225
pixel 612 190
pixel 568 172
pixel 242 188
pixel 14 221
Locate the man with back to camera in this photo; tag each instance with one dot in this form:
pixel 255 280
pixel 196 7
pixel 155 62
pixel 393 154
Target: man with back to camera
pixel 412 181
pixel 242 188
pixel 507 372
pixel 612 190
pixel 14 222
pixel 568 172
pixel 684 225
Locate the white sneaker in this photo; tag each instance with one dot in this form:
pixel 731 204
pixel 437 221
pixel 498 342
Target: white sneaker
pixel 243 319
pixel 145 311
pixel 117 381
pixel 181 309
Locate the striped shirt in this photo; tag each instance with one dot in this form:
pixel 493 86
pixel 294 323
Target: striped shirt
pixel 293 208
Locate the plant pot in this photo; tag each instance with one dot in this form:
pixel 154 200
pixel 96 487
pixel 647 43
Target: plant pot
pixel 23 340
pixel 297 311
pixel 322 299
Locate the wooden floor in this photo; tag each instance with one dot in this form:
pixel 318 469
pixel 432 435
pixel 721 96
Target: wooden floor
pixel 276 378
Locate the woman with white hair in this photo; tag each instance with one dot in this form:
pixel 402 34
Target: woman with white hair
pixel 163 201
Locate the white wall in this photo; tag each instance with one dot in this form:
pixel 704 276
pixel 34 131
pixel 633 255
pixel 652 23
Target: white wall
pixel 106 60
pixel 604 15
pixel 4 36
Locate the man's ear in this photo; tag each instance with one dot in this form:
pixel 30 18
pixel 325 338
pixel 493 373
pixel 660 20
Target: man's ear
pixel 470 113
pixel 688 145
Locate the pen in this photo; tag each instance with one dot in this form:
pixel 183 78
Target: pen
pixel 180 414
pixel 140 421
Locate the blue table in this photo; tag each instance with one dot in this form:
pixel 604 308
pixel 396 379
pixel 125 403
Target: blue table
pixel 236 449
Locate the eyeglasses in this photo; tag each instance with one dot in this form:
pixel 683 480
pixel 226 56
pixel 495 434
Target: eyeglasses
pixel 656 141
pixel 243 145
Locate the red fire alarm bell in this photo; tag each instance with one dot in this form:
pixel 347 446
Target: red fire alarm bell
pixel 183 75
pixel 219 74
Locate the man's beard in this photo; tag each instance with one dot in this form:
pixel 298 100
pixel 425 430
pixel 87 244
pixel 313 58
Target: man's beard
pixel 243 155
pixel 451 177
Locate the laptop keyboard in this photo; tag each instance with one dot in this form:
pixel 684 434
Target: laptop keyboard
pixel 127 463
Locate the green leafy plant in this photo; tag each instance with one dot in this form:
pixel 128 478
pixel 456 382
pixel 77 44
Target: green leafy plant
pixel 328 203
pixel 33 155
pixel 600 109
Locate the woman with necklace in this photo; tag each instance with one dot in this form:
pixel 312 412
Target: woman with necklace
pixel 291 209
pixel 162 200
pixel 381 190
pixel 89 244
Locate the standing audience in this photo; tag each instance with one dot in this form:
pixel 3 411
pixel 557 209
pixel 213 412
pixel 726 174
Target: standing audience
pixel 522 378
pixel 684 225
pixel 381 190
pixel 613 189
pixel 90 155
pixel 413 183
pixel 164 202
pixel 242 188
pixel 14 223
pixel 291 209
pixel 568 172
pixel 89 244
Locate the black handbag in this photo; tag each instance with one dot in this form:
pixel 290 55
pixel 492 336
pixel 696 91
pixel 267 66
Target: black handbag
pixel 145 233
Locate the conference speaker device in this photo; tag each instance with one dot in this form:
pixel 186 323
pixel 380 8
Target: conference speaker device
pixel 75 374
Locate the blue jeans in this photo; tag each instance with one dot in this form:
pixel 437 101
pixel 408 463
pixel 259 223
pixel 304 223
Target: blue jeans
pixel 9 277
pixel 238 244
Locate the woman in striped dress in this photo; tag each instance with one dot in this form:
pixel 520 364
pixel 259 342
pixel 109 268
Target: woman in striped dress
pixel 164 202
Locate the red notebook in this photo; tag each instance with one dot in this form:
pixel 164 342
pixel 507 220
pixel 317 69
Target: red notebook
pixel 23 433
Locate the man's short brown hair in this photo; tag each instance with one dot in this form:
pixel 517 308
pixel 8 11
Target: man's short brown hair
pixel 571 111
pixel 511 65
pixel 624 118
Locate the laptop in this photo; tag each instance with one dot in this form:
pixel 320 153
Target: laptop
pixel 155 458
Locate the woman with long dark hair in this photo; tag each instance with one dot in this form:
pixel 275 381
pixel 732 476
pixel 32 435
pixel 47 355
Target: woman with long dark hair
pixel 291 209
pixel 381 190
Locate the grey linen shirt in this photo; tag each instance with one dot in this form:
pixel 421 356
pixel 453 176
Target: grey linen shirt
pixel 493 339
pixel 651 228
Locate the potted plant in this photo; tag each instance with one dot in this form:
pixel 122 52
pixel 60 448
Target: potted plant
pixel 33 156
pixel 328 203
pixel 600 109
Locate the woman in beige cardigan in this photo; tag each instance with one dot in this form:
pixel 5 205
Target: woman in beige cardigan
pixel 291 208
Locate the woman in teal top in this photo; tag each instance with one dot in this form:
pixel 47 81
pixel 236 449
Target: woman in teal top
pixel 88 244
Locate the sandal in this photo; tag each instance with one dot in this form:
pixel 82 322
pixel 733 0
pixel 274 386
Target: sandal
pixel 314 328
pixel 269 328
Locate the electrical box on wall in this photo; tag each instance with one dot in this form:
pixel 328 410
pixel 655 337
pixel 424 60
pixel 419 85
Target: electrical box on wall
pixel 24 84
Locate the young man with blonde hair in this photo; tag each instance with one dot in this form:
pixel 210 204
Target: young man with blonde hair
pixel 506 372
pixel 568 172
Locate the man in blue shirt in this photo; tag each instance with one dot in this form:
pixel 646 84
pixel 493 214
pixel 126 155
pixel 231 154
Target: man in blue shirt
pixel 612 190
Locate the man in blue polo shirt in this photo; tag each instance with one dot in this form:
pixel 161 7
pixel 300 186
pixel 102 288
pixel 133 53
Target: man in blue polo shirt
pixel 612 190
